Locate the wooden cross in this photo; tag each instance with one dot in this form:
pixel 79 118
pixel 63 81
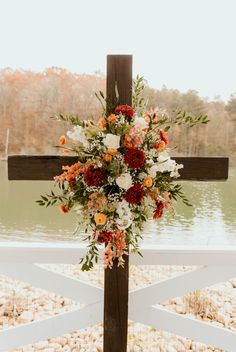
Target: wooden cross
pixel 119 72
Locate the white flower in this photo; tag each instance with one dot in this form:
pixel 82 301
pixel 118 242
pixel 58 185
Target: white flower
pixel 79 209
pixel 78 135
pixel 125 217
pixel 153 170
pixel 124 222
pixel 112 141
pixel 140 122
pixel 124 181
pixel 165 164
pixel 142 175
pixel 175 172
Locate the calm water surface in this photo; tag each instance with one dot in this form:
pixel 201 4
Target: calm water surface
pixel 211 221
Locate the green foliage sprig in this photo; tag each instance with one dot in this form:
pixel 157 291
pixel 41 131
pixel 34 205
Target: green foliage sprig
pixel 74 120
pixel 138 101
pixel 182 118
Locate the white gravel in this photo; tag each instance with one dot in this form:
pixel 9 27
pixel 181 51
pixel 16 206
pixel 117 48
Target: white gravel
pixel 21 303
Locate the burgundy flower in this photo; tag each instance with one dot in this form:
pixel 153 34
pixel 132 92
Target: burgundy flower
pixel 94 176
pixel 104 236
pixel 163 136
pixel 125 110
pixel 135 158
pixel 159 209
pixel 134 194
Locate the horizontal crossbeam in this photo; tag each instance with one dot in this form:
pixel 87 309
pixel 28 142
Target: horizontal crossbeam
pixel 45 167
pixel 183 325
pixel 180 285
pixel 51 327
pixel 69 253
pixel 143 301
pixel 58 283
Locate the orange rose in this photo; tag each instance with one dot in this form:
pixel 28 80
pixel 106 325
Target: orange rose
pixel 160 146
pixel 100 218
pixel 148 181
pixel 102 124
pixel 112 118
pixel 107 158
pixel 112 151
pixel 62 140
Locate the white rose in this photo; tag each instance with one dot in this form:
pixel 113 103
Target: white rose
pixel 112 141
pixel 140 122
pixel 153 170
pixel 78 135
pixel 124 222
pixel 175 172
pixel 142 175
pixel 125 217
pixel 166 164
pixel 124 181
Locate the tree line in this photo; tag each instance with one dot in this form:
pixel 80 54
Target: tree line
pixel 27 99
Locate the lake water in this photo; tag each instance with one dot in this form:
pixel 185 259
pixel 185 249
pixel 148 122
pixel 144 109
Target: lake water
pixel 211 221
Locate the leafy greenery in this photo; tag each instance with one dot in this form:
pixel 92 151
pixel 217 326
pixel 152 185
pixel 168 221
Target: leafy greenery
pixel 138 101
pixel 74 120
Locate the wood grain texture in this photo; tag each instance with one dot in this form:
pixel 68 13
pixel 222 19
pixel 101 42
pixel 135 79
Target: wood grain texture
pixel 203 168
pixel 116 292
pixel 37 167
pixel 119 71
pixel 45 167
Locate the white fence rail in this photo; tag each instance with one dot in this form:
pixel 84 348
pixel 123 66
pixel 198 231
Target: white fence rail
pixel 216 265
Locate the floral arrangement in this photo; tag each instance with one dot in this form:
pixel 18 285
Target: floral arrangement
pixel 123 177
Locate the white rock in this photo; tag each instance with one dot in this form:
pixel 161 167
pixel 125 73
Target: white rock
pixel 54 345
pixel 200 347
pixel 40 345
pixel 27 315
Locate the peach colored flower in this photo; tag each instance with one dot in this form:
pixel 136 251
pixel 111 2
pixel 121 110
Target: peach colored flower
pixel 70 172
pixel 148 181
pixel 112 118
pixel 100 219
pixel 160 146
pixel 147 118
pixel 108 256
pixel 96 200
pixel 153 193
pixel 102 124
pixel 62 140
pixel 112 151
pixel 107 158
pixel 165 195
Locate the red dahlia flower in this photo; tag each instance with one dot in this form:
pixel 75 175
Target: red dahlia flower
pixel 94 176
pixel 163 136
pixel 104 236
pixel 125 110
pixel 135 158
pixel 159 209
pixel 134 194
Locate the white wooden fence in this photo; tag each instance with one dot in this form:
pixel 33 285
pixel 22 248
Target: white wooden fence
pixel 216 265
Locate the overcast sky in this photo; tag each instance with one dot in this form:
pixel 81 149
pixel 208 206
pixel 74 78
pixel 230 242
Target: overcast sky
pixel 183 44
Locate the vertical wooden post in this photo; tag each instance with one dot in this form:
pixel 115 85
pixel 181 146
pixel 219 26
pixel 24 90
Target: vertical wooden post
pixel 116 287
